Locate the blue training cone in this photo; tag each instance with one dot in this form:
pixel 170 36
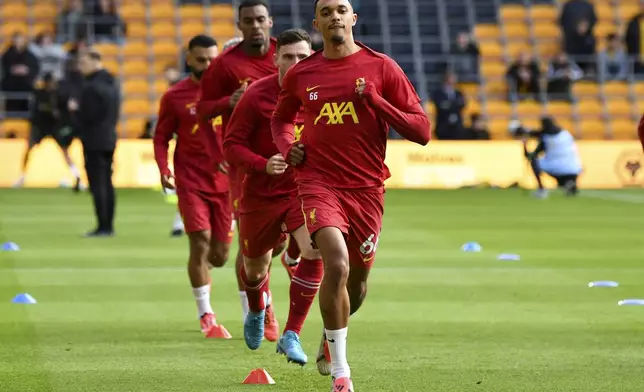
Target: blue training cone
pixel 24 299
pixel 472 247
pixel 10 247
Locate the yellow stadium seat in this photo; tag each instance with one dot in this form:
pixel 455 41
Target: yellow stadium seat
pixel 430 109
pixel 626 11
pixel 514 48
pixel 162 62
pixel 547 48
pixel 604 11
pixel 559 109
pixel 136 107
pixel 516 30
pixel 41 27
pixel 223 29
pixel 8 28
pixel 493 69
pixel 163 30
pixel 191 12
pixel 135 67
pixel 19 127
pixel 529 109
pixel 514 13
pixel 546 31
pixel 222 12
pixel 165 48
pixel 585 89
pixel 496 88
pixel 486 32
pixel 490 49
pixel 44 10
pixel 592 129
pixel 543 13
pixel 498 128
pixel 134 127
pixel 567 124
pixel 13 10
pixel 138 86
pixel 137 31
pixel 106 49
pixel 160 86
pixel 190 30
pixel 638 90
pixel 603 29
pixel 135 49
pixel 615 89
pixel 469 89
pixel 618 108
pixel 112 65
pixel 498 108
pixel 155 105
pixel 162 11
pixel 624 129
pixel 472 106
pixel 132 12
pixel 590 108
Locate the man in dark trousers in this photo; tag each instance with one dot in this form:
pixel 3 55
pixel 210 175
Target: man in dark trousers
pixel 449 102
pixel 97 117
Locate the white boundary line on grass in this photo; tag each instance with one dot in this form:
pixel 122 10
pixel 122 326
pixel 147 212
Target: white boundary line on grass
pixel 613 196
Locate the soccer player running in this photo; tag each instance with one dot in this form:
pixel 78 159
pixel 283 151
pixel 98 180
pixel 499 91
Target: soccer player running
pixel 349 95
pixel 177 225
pixel 222 86
pixel 201 188
pixel 269 205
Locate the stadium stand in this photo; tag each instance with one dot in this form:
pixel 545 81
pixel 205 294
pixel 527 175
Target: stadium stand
pixel 417 33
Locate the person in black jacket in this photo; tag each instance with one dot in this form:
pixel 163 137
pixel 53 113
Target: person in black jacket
pixel 449 102
pixel 96 118
pixel 47 119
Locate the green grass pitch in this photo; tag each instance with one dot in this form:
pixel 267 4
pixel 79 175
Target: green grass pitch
pixel 118 315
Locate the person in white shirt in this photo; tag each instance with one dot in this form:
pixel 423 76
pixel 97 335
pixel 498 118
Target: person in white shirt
pixel 556 155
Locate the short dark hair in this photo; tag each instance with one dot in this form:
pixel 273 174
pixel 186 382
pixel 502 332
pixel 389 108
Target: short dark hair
pixel 315 6
pixel 292 36
pixel 612 37
pixel 252 3
pixel 201 41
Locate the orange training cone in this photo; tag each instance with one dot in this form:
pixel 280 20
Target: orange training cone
pixel 218 332
pixel 259 376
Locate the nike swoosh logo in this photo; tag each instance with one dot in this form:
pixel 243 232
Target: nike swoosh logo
pixel 368 259
pixel 331 340
pixel 309 89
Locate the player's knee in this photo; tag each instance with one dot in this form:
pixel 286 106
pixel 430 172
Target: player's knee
pixel 218 257
pixel 357 294
pixel 198 247
pixel 279 249
pixel 310 254
pixel 336 271
pixel 256 268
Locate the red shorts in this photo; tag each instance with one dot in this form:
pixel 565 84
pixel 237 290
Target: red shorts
pixel 236 181
pixel 264 228
pixel 357 214
pixel 201 211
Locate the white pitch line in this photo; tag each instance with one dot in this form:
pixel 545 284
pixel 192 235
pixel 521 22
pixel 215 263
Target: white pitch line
pixel 613 196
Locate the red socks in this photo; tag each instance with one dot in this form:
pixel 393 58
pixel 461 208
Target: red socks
pixel 293 251
pixel 255 291
pixel 304 286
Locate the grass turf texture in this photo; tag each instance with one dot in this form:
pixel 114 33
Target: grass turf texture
pixel 117 314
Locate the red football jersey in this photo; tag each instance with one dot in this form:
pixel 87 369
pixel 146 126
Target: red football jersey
pixel 640 131
pixel 227 73
pixel 195 165
pixel 345 138
pixel 249 143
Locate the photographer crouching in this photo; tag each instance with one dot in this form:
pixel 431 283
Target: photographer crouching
pixel 555 155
